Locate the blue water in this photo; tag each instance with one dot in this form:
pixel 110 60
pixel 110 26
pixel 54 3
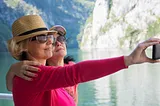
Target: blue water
pixel 136 86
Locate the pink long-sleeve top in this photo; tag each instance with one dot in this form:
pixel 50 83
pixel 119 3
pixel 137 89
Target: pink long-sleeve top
pixel 47 88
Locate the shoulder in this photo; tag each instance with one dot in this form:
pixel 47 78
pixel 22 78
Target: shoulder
pixel 42 67
pixel 70 63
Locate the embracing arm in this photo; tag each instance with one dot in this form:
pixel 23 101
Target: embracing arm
pixel 9 78
pixel 19 69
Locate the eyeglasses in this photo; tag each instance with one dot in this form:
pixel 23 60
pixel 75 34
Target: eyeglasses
pixel 42 38
pixel 60 39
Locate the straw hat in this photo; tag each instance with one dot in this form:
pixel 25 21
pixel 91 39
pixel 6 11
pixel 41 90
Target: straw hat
pixel 28 26
pixel 59 28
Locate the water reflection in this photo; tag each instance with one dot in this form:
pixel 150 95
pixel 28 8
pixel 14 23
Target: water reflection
pixel 136 86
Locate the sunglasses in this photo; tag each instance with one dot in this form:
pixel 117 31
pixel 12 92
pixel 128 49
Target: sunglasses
pixel 60 39
pixel 42 38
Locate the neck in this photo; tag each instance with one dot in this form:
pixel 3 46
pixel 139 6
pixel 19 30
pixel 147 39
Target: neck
pixel 42 61
pixel 56 62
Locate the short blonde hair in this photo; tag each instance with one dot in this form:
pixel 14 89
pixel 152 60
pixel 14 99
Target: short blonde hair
pixel 18 50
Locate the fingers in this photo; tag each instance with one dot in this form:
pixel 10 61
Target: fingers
pixel 152 61
pixel 153 40
pixel 145 45
pixel 27 78
pixel 30 68
pixel 29 74
pixel 150 42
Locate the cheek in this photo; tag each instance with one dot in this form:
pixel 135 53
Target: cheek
pixel 36 49
pixel 32 48
pixel 65 50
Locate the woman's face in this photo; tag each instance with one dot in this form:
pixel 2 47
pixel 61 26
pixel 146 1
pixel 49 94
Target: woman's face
pixel 59 50
pixel 40 47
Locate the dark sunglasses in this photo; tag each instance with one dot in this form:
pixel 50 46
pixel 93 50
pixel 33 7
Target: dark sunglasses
pixel 42 38
pixel 61 39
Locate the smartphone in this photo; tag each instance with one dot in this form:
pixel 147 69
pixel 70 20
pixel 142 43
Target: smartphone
pixel 156 52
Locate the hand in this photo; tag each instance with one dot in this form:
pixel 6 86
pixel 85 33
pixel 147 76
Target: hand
pixel 138 56
pixel 24 69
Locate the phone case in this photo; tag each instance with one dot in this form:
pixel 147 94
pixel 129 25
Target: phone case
pixel 156 52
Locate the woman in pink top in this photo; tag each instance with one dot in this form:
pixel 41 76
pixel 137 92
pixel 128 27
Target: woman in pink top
pixel 59 59
pixel 32 41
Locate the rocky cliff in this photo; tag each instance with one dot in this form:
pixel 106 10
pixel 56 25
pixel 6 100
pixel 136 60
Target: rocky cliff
pixel 120 24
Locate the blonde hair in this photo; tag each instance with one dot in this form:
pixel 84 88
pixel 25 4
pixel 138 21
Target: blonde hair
pixel 18 50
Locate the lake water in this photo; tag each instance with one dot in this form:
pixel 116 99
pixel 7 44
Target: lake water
pixel 136 86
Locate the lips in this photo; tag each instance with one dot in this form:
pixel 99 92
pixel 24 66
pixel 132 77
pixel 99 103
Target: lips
pixel 58 49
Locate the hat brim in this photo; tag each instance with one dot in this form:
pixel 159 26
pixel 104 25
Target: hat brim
pixel 59 28
pixel 23 37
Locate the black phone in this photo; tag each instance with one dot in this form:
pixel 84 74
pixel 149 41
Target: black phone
pixel 156 52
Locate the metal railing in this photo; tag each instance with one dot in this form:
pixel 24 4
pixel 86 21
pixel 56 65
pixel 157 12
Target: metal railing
pixel 6 96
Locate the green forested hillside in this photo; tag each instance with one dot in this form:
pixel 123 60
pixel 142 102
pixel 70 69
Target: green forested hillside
pixel 69 13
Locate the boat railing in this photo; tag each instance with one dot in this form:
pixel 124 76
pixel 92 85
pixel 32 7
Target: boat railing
pixel 6 96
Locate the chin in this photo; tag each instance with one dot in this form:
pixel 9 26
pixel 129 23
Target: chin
pixel 48 55
pixel 61 55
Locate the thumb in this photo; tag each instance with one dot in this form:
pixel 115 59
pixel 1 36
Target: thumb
pixel 152 61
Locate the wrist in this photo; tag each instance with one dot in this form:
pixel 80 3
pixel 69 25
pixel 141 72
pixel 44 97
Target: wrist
pixel 128 60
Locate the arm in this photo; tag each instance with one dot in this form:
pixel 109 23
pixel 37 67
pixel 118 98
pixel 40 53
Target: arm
pixel 52 77
pixel 19 69
pixel 9 78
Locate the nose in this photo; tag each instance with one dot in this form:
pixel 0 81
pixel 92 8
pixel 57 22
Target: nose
pixel 58 43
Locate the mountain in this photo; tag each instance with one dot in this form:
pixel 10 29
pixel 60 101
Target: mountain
pixel 72 14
